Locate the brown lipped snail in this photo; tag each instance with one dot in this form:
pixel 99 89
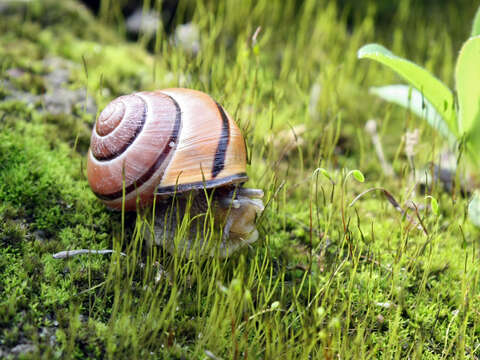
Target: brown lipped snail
pixel 179 149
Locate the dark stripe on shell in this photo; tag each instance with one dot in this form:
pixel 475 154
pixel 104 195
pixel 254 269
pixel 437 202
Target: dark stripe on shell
pixel 157 164
pixel 129 141
pixel 180 188
pixel 221 153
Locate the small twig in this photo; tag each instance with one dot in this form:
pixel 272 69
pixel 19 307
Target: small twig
pixel 69 253
pixel 395 204
pixel 371 128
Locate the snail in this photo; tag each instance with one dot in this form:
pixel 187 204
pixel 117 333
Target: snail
pixel 172 152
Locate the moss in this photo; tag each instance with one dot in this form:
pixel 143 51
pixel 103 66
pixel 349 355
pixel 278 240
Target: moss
pixel 32 83
pixel 12 110
pixel 72 129
pixel 12 233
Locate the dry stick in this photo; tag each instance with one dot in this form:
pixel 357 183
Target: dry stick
pixel 371 128
pixel 69 253
pixel 395 204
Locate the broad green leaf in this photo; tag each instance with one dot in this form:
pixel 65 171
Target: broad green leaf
pixel 467 77
pixel 413 100
pixel 439 95
pixel 476 24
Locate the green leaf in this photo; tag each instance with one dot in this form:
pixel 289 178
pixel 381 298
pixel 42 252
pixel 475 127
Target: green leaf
pixel 476 24
pixel 439 95
pixel 467 76
pixel 413 100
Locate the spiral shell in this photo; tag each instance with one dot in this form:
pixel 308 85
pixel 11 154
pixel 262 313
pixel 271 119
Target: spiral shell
pixel 162 142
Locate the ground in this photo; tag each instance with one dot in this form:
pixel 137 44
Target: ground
pixel 327 278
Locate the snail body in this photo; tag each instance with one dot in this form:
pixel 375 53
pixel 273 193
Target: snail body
pixel 170 144
pixel 233 221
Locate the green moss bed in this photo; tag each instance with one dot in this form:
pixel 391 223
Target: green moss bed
pixel 326 280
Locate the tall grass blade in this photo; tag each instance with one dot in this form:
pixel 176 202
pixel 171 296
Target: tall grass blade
pixel 439 95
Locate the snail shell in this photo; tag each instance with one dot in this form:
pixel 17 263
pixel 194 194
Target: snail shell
pixel 161 142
